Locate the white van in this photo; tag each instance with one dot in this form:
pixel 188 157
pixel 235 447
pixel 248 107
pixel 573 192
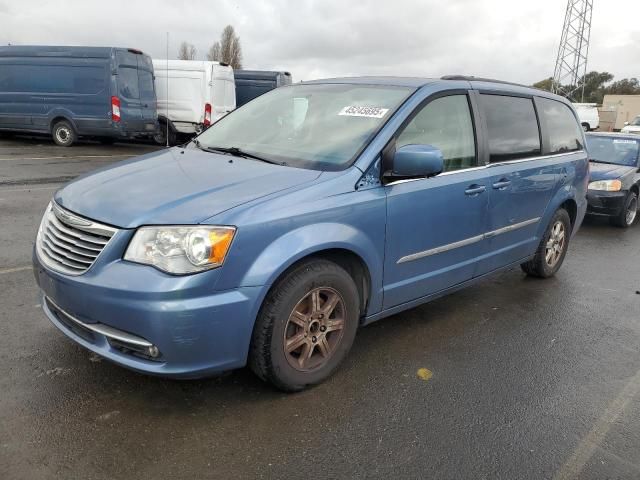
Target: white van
pixel 195 94
pixel 588 115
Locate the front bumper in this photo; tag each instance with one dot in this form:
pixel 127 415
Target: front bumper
pixel 197 332
pixel 605 203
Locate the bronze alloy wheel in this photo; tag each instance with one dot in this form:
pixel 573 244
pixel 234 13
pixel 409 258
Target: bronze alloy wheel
pixel 314 329
pixel 555 244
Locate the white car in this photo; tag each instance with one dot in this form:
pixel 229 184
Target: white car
pixel 191 96
pixel 632 127
pixel 588 115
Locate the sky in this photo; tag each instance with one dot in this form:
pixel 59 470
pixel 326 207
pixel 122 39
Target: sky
pixel 511 40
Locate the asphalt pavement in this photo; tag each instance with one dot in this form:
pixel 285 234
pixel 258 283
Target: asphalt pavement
pixel 513 378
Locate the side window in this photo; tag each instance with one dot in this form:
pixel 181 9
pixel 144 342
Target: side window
pixel 565 134
pixel 146 85
pixel 446 124
pixel 512 127
pixel 128 82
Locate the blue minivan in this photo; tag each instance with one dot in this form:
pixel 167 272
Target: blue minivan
pixel 308 212
pixel 68 92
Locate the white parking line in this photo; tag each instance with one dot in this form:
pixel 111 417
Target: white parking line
pixel 574 466
pixel 14 269
pixel 27 189
pixel 8 159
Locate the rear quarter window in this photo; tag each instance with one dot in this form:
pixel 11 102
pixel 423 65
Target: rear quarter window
pixel 512 127
pixel 562 128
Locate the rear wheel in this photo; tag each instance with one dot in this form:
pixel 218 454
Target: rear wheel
pixel 586 127
pixel 306 326
pixel 552 248
pixel 629 212
pixel 63 134
pixel 161 135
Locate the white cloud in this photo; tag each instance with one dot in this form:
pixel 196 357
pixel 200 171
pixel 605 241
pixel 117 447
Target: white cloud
pixel 507 39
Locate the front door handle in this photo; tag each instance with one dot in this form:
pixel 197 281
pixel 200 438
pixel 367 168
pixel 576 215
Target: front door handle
pixel 475 190
pixel 502 184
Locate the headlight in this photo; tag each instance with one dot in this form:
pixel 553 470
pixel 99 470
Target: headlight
pixel 606 185
pixel 181 250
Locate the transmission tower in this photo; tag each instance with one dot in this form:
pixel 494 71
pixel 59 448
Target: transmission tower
pixel 571 63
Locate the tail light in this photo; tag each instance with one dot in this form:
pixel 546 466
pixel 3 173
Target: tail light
pixel 207 114
pixel 115 109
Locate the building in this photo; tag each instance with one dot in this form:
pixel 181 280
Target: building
pixel 626 108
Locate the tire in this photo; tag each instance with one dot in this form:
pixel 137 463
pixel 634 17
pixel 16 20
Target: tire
pixel 161 137
pixel 629 212
pixel 308 331
pixel 586 127
pixel 63 134
pixel 552 248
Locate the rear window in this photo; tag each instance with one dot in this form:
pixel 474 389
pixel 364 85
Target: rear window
pixel 565 134
pixel 512 127
pixel 146 85
pixel 128 82
pixel 52 79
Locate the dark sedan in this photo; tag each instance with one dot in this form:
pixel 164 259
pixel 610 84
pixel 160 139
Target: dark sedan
pixel 615 177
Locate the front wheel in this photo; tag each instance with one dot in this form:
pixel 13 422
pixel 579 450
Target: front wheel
pixel 306 326
pixel 552 248
pixel 629 212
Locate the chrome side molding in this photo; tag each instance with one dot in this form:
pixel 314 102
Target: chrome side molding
pixel 467 241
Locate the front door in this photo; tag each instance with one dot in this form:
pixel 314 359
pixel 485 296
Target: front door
pixel 435 226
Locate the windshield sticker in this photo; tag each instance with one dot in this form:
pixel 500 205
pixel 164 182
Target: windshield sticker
pixel 623 141
pixel 370 112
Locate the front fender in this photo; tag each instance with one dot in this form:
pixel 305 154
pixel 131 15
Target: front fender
pixel 296 244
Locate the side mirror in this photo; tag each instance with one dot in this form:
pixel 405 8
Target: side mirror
pixel 417 161
pixel 626 123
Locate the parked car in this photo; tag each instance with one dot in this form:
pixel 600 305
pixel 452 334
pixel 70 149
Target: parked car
pixel 199 93
pixel 615 179
pixel 70 92
pixel 253 83
pixel 588 115
pixel 312 210
pixel 632 127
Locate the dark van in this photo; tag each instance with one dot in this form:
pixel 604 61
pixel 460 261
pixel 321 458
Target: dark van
pixel 68 92
pixel 253 83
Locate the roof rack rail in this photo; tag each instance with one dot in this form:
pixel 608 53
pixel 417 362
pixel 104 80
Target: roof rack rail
pixel 471 78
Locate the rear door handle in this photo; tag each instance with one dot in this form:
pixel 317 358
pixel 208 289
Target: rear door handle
pixel 475 190
pixel 502 184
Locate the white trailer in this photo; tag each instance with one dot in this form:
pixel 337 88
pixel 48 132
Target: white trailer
pixel 191 96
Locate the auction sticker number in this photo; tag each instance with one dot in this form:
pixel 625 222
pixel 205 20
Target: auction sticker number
pixel 370 112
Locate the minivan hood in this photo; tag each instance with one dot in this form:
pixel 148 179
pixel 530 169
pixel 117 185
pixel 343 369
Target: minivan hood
pixel 175 186
pixel 607 171
pixel 630 129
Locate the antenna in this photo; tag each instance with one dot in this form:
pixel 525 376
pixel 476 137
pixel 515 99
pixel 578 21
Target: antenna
pixel 167 103
pixel 571 63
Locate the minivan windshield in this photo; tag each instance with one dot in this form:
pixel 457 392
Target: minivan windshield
pixel 635 122
pixel 318 126
pixel 619 151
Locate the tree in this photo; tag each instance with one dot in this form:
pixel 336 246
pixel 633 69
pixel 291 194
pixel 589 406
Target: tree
pixel 228 49
pixel 214 53
pixel 545 84
pixel 186 51
pixel 596 86
pixel 626 86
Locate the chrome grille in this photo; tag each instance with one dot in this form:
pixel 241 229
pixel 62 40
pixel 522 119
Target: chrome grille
pixel 68 243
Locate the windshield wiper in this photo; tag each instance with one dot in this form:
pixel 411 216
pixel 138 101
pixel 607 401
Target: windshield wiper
pixel 602 161
pixel 237 152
